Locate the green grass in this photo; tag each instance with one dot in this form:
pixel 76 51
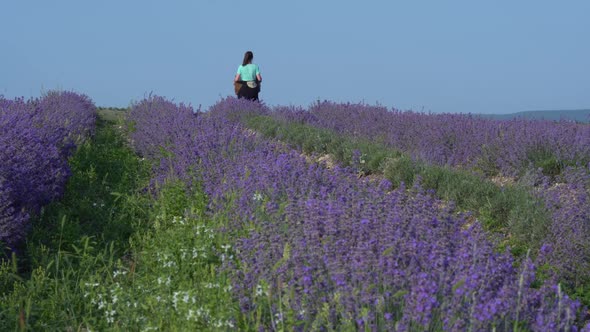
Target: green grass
pixel 112 114
pixel 323 141
pixel 104 173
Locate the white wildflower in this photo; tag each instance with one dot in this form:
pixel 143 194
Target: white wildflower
pixel 257 197
pixel 175 300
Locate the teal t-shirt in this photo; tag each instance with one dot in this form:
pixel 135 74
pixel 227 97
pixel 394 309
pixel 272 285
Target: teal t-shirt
pixel 248 72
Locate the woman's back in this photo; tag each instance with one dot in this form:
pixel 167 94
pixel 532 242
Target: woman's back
pixel 248 72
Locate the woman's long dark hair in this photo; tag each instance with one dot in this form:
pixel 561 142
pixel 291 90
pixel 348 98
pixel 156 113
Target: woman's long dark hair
pixel 248 56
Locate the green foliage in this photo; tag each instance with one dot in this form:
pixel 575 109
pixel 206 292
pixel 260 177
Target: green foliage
pixel 544 159
pixel 551 165
pixel 487 163
pixel 323 141
pixel 581 292
pixel 528 220
pixel 113 114
pixel 401 169
pixel 171 282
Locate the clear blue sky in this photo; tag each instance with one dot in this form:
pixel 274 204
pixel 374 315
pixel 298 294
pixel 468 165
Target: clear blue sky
pixel 440 56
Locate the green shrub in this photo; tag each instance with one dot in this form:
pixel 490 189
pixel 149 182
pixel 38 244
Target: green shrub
pixel 400 169
pixel 544 159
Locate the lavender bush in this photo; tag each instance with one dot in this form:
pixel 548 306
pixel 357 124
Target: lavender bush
pixel 67 119
pixel 36 139
pixel 12 221
pixel 321 249
pixel 568 201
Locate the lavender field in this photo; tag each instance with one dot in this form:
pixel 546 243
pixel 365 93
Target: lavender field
pixel 553 158
pixel 233 230
pixel 322 240
pixel 493 147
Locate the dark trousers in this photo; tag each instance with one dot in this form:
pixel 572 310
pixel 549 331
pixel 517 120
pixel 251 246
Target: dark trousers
pixel 246 92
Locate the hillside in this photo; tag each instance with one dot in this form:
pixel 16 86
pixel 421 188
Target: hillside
pixel 574 115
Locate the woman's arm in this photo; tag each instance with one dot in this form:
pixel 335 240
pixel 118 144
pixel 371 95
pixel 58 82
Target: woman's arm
pixel 259 78
pixel 237 78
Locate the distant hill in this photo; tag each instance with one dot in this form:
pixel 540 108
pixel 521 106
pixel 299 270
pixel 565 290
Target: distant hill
pixel 574 115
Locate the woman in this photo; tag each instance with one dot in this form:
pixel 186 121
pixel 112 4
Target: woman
pixel 248 79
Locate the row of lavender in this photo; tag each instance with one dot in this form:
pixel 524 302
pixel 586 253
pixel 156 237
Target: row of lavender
pixel 511 147
pixel 507 147
pixel 321 249
pixel 36 138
